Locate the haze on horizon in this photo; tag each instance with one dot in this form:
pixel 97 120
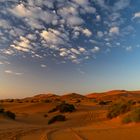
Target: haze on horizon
pixel 62 46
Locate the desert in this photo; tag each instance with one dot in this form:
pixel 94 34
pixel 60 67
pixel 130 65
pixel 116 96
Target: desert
pixel 85 117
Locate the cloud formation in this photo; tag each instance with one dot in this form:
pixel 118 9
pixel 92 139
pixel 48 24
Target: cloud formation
pixel 10 72
pixel 71 30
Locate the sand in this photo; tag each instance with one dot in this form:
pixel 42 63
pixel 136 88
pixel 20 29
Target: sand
pixel 88 122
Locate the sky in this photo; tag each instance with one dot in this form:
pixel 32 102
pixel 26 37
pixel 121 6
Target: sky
pixel 64 46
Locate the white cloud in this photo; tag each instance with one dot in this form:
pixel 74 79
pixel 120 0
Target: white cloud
pixel 81 2
pixel 74 20
pixel 22 45
pixel 21 11
pixel 81 49
pixel 114 30
pixel 87 32
pixel 63 53
pixel 10 72
pixel 98 18
pixel 129 48
pixel 73 50
pixel 67 11
pixel 34 23
pixel 136 15
pixel 121 4
pixel 17 73
pixel 33 15
pixel 102 3
pixel 8 51
pixel 55 28
pixel 43 65
pixel 52 36
pixel 95 49
pixel 89 9
pixel 31 36
pixel 78 30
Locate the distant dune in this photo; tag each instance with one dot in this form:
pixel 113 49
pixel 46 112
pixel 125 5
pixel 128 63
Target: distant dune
pixel 113 94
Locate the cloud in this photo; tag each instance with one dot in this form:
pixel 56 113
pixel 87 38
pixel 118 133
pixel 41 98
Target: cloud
pixel 95 49
pixel 7 51
pixel 34 24
pixel 81 2
pixel 31 36
pixel 121 4
pixel 4 24
pixel 52 36
pixel 114 31
pixel 98 18
pixel 63 53
pixel 62 28
pixel 100 34
pixel 10 72
pixel 22 45
pixel 81 49
pixel 102 4
pixel 73 50
pixel 43 65
pixel 21 11
pixel 87 32
pixel 77 30
pixel 67 11
pixel 74 20
pixel 129 48
pixel 136 15
pixel 1 63
pixel 18 74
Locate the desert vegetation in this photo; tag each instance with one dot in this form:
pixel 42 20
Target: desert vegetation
pixel 8 114
pixel 63 108
pixel 119 108
pixel 133 116
pixel 104 102
pixel 57 118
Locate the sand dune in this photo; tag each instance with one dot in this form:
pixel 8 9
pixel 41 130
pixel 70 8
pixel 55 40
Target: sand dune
pixel 88 122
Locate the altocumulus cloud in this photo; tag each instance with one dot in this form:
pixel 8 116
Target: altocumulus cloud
pixel 73 30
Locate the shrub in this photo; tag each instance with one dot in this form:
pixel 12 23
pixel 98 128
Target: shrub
pixel 11 100
pixel 45 115
pixel 104 102
pixel 134 116
pixel 132 102
pixel 53 110
pixel 10 114
pixel 47 101
pixel 65 107
pixel 1 110
pixel 78 101
pixel 118 109
pixel 57 118
pixel 127 119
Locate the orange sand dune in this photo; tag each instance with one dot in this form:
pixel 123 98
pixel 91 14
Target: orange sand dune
pixel 114 94
pixel 88 122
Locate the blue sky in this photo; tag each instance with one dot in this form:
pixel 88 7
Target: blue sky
pixel 63 46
